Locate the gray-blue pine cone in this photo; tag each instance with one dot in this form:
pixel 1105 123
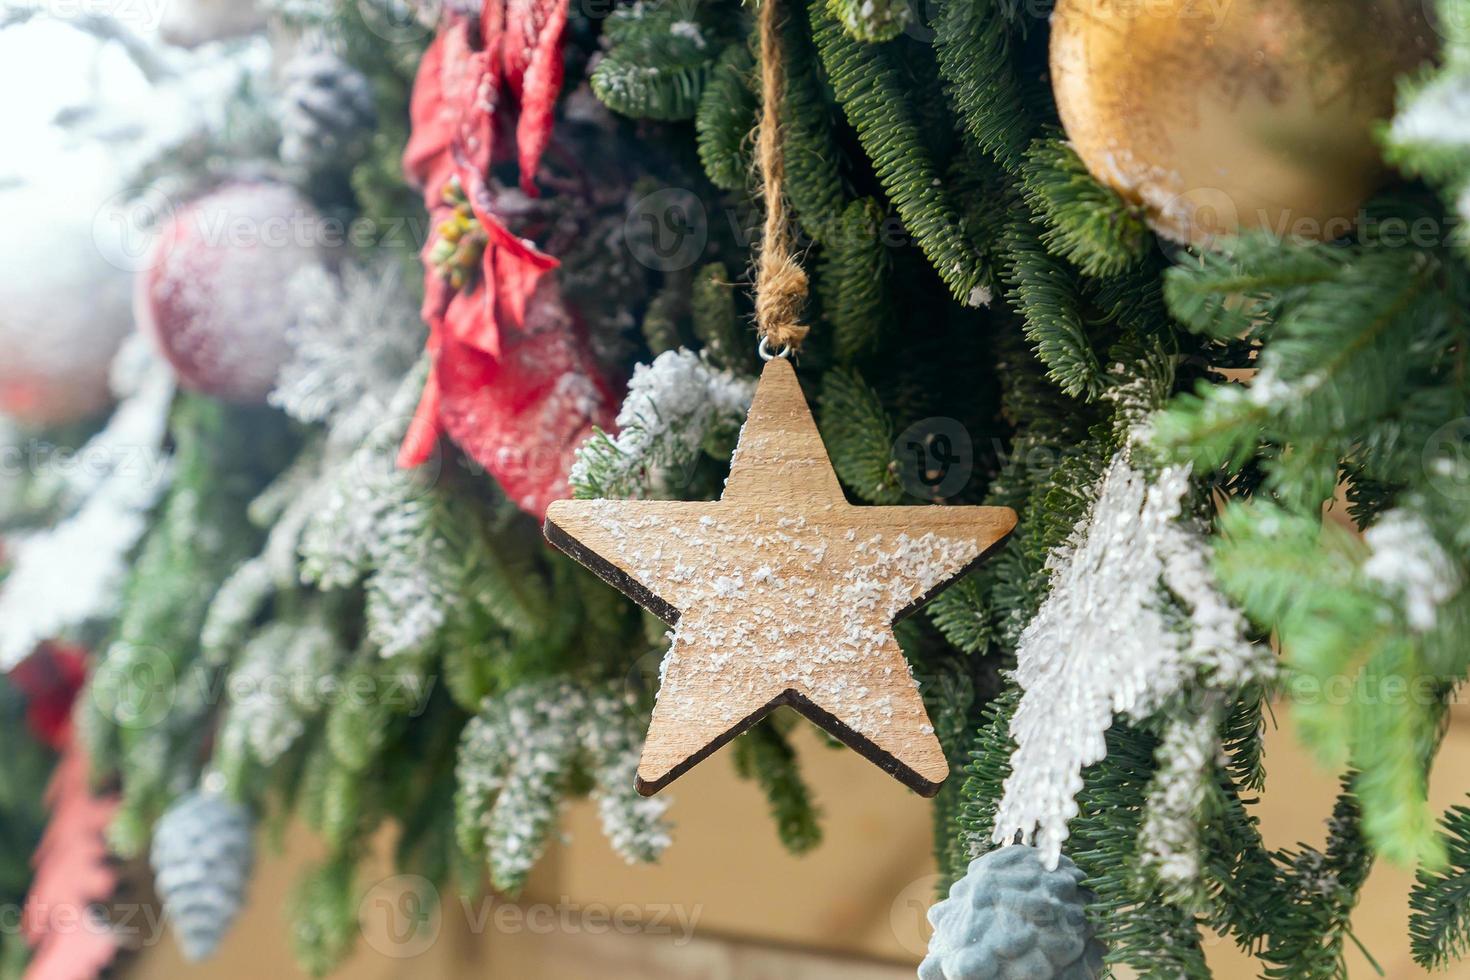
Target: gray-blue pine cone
pixel 327 113
pixel 202 857
pixel 1009 918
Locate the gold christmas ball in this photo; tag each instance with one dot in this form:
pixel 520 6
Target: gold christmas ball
pixel 1219 116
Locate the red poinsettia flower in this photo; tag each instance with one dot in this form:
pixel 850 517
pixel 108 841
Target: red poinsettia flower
pixel 508 352
pixel 50 679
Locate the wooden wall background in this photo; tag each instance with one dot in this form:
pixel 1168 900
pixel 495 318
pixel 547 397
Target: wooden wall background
pixel 852 910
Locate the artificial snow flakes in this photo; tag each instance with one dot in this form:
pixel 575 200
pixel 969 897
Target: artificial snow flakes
pixel 327 113
pixel 1409 566
pixel 1438 116
pixel 514 761
pixel 673 405
pixel 1133 619
pixel 348 510
pixel 783 593
pixel 354 338
pixel 1169 841
pixel 280 683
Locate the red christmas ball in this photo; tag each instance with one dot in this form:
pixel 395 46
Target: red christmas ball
pixel 213 294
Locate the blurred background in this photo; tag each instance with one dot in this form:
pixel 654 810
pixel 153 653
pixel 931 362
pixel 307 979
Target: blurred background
pixel 853 909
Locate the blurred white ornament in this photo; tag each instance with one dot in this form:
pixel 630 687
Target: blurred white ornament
pixel 72 234
pixel 63 305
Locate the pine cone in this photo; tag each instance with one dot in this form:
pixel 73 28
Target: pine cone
pixel 202 858
pixel 327 113
pixel 1009 918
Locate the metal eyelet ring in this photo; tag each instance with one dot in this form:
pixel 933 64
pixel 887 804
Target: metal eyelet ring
pixel 765 350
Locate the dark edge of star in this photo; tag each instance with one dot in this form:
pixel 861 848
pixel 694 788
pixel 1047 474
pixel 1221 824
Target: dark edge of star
pixel 824 720
pixel 979 559
pixel 610 573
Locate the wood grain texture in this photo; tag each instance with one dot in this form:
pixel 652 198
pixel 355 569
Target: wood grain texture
pixel 782 593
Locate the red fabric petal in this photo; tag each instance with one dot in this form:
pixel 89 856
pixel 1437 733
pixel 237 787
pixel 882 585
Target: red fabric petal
pixel 475 144
pixel 522 416
pixel 539 86
pixel 433 118
pixel 468 318
pixel 513 382
pixel 424 431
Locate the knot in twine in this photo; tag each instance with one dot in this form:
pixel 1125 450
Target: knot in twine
pixel 781 283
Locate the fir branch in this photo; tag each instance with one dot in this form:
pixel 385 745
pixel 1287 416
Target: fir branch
pixel 517 758
pixel 763 754
pixel 1088 224
pixel 666 310
pixel 976 58
pixel 962 613
pixel 673 407
pixel 324 908
pixel 812 159
pixel 879 106
pixel 1312 915
pixel 1047 296
pixel 1439 921
pixel 149 697
pixel 725 119
pixel 727 342
pixel 1233 291
pixel 1304 580
pixel 859 437
pixel 852 280
pixel 660 55
pixel 871 21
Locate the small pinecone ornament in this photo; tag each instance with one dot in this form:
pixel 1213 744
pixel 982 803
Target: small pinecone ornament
pixel 1009 918
pixel 327 114
pixel 213 296
pixel 202 859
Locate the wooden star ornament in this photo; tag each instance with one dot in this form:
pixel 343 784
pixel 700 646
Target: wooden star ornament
pixel 782 592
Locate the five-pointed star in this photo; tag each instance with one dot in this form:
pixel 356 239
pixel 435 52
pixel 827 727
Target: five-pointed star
pixel 782 593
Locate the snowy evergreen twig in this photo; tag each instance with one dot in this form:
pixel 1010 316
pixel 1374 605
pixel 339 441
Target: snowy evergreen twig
pixel 1133 620
pixel 673 405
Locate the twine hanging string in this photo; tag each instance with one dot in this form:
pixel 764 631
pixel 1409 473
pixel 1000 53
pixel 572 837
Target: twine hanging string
pixel 780 283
